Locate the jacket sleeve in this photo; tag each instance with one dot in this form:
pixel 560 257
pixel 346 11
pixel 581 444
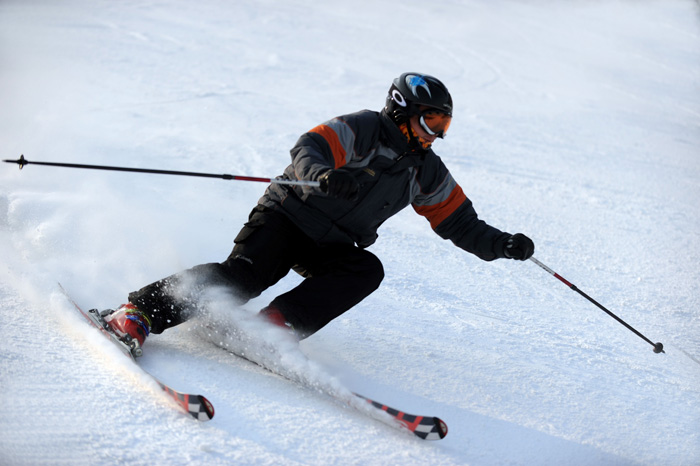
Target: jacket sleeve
pixel 452 215
pixel 334 144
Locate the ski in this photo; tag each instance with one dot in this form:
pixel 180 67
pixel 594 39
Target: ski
pixel 196 406
pixel 424 427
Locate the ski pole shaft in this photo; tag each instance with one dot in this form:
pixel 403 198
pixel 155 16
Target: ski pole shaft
pixel 22 162
pixel 658 347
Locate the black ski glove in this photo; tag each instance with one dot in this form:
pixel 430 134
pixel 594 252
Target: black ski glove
pixel 339 184
pixel 519 247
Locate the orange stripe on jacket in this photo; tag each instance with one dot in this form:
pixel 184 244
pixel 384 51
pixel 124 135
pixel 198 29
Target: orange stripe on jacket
pixel 333 141
pixel 436 213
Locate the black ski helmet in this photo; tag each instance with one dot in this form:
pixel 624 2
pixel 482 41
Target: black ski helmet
pixel 411 90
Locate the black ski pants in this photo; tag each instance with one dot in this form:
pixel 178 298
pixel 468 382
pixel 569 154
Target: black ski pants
pixel 336 277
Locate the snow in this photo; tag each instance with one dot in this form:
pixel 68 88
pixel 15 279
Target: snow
pixel 577 123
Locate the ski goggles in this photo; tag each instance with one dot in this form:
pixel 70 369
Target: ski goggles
pixel 434 122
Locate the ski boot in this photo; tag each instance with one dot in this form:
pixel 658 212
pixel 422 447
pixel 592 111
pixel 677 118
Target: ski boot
pixel 130 324
pixel 274 316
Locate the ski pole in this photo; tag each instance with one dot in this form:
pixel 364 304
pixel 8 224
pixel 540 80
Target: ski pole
pixel 22 162
pixel 658 347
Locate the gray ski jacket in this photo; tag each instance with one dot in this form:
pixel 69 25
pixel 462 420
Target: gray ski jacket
pixel 370 146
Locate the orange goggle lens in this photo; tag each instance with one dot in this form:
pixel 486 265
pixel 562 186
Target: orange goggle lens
pixel 435 123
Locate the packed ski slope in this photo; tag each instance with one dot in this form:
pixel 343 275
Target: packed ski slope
pixel 577 123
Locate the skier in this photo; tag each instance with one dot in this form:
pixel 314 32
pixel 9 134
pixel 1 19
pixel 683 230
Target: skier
pixel 370 165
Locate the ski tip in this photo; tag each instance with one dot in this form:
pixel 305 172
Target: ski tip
pixel 441 427
pixel 430 428
pixel 205 411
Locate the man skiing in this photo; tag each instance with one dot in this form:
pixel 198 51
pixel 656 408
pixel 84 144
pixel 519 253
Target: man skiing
pixel 369 166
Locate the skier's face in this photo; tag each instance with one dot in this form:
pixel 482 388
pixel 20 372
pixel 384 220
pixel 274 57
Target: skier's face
pixel 430 124
pixel 424 138
pixel 434 122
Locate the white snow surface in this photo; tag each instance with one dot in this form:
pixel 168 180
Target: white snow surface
pixel 577 123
